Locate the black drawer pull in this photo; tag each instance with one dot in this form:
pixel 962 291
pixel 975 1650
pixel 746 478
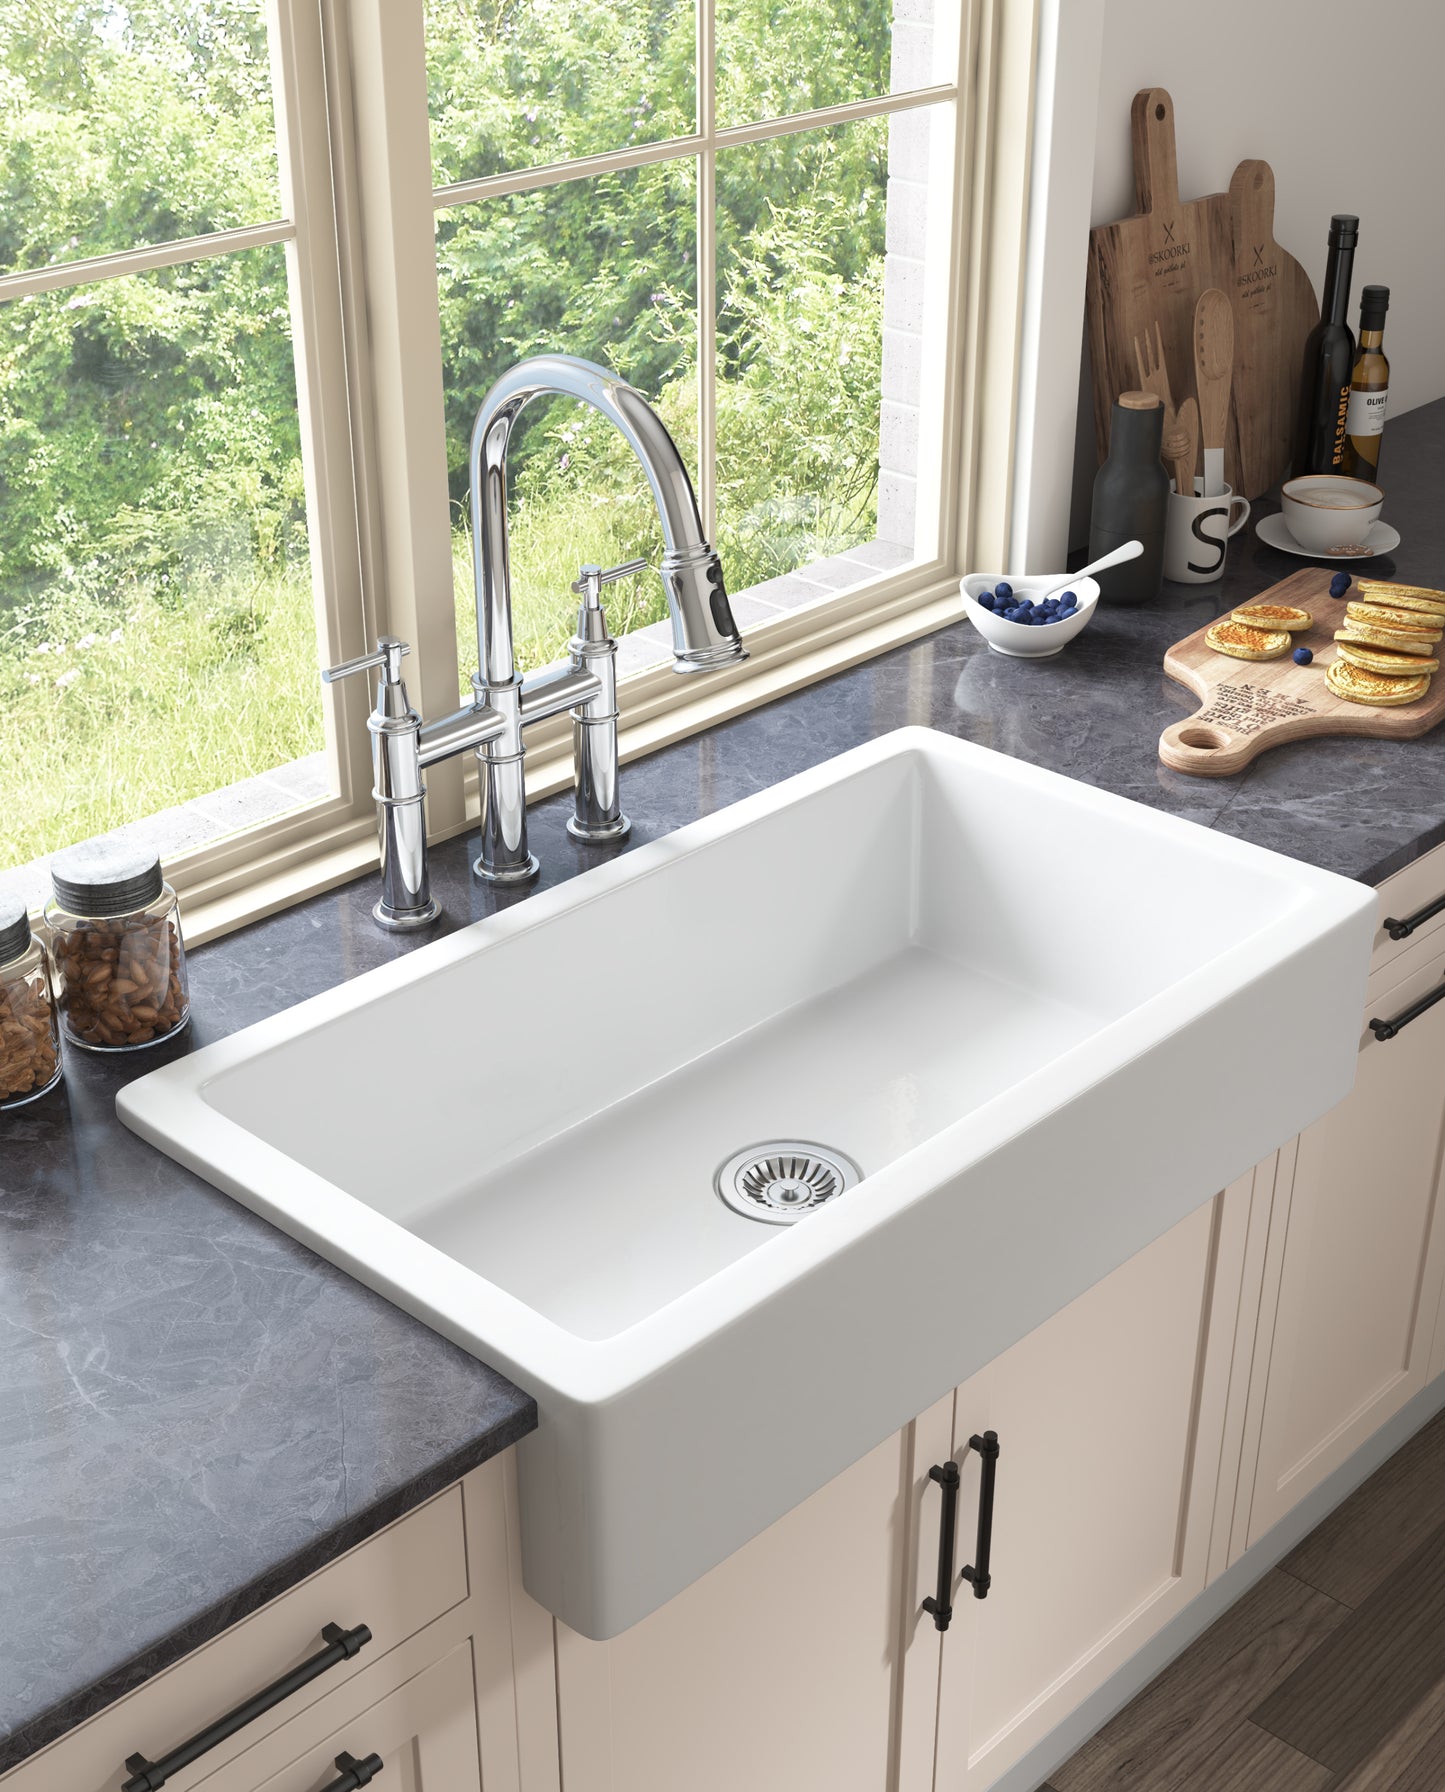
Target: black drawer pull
pixel 941 1603
pixel 987 1447
pixel 355 1773
pixel 341 1645
pixel 1387 1029
pixel 1401 930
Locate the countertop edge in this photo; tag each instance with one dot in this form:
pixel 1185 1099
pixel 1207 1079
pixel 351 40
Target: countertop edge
pixel 49 1726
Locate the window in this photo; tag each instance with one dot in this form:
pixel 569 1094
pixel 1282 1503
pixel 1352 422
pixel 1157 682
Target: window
pixel 158 597
pixel 260 260
pixel 747 215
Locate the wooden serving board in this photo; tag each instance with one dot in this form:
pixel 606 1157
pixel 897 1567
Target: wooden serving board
pixel 1274 311
pixel 1249 706
pixel 1150 269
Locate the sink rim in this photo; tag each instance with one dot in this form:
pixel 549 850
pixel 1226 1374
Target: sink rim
pixel 168 1107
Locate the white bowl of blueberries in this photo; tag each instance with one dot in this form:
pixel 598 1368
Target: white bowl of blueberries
pixel 1016 616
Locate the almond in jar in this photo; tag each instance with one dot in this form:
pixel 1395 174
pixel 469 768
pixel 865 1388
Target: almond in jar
pixel 120 962
pixel 29 1039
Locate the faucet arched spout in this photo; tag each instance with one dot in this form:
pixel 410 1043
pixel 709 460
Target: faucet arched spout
pixel 704 636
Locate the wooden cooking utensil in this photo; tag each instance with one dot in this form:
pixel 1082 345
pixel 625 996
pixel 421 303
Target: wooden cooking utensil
pixel 1153 372
pixel 1181 443
pixel 1249 705
pixel 1213 374
pixel 1148 270
pixel 1274 311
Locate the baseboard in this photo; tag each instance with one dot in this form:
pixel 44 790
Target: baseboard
pixel 1034 1769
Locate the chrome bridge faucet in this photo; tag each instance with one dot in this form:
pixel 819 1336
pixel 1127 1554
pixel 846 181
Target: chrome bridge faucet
pixel 704 639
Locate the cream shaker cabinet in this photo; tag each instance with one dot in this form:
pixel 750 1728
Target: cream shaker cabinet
pixel 807 1658
pixel 1108 1420
pixel 1355 1259
pixel 438 1678
pixel 778 1669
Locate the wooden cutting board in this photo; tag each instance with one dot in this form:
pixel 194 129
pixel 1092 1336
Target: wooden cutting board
pixel 1249 706
pixel 1151 268
pixel 1274 311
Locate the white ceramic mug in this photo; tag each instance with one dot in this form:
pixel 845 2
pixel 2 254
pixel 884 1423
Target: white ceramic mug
pixel 1197 532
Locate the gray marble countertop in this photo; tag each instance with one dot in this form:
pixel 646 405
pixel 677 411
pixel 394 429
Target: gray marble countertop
pixel 196 1411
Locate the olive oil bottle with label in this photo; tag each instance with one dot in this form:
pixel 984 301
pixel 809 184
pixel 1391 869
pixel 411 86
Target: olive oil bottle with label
pixel 1369 389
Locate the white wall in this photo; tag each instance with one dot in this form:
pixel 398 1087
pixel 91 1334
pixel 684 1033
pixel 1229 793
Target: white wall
pixel 1285 80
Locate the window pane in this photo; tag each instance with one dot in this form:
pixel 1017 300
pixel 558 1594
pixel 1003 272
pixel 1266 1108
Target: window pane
pixel 824 250
pixel 516 83
pixel 126 122
pixel 603 268
pixel 157 633
pixel 776 57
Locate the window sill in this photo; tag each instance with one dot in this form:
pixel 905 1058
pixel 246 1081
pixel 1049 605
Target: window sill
pixel 785 654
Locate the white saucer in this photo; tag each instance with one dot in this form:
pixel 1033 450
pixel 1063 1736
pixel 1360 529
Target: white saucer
pixel 1273 531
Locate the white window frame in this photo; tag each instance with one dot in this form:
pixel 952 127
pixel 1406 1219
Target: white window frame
pixel 357 194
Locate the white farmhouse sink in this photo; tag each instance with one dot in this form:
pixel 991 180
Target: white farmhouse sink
pixel 1044 1022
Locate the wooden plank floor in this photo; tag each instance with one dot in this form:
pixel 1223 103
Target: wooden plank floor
pixel 1327 1676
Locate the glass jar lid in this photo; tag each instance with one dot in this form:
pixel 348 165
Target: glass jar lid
pixel 106 877
pixel 14 928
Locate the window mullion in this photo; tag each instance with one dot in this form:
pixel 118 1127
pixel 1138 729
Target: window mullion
pixel 304 164
pixel 707 264
pixel 408 483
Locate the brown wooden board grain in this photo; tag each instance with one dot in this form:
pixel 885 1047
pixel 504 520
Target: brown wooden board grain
pixel 1274 311
pixel 1150 269
pixel 1248 706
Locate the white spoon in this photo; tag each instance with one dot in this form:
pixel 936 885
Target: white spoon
pixel 1131 550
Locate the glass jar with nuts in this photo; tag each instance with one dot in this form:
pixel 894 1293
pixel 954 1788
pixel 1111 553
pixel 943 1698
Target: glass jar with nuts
pixel 120 964
pixel 29 1041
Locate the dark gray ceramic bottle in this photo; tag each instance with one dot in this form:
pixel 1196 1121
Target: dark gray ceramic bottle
pixel 1131 497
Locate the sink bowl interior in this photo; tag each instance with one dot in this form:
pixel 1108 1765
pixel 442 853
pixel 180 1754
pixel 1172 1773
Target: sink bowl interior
pixel 862 968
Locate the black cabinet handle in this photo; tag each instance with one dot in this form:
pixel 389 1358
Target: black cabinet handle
pixel 341 1645
pixel 941 1603
pixel 355 1773
pixel 1387 1029
pixel 987 1447
pixel 1401 930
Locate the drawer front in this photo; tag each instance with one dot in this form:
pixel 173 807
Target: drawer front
pixel 1418 886
pixel 395 1583
pixel 424 1733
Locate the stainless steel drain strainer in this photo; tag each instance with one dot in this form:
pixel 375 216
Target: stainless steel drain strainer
pixel 783 1179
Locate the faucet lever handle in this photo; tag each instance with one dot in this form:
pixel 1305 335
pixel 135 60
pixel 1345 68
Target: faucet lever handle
pixel 388 655
pixel 589 582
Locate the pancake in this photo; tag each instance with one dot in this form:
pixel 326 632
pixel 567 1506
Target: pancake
pixel 1356 685
pixel 1394 640
pixel 1379 659
pixel 1403 597
pixel 1242 643
pixel 1413 622
pixel 1272 616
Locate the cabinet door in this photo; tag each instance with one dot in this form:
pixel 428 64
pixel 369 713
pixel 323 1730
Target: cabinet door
pixel 1354 1256
pixel 425 1733
pixel 781 1668
pixel 1109 1419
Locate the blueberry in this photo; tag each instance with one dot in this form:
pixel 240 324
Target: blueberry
pixel 1339 584
pixel 985 600
pixel 1302 656
pixel 1069 597
pixel 1004 589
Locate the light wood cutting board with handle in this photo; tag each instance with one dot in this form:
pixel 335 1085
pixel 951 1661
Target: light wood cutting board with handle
pixel 1248 706
pixel 1274 311
pixel 1150 269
